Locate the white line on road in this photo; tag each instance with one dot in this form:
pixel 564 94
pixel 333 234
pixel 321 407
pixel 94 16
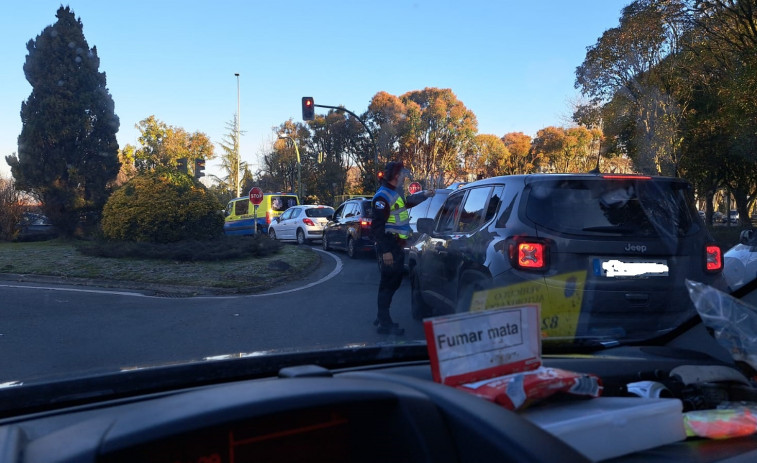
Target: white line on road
pixel 332 274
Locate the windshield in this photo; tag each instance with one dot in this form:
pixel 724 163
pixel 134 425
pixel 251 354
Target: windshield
pixel 467 156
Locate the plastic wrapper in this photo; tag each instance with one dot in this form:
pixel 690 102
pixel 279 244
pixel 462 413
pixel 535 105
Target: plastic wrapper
pixel 517 391
pixel 720 423
pixel 733 322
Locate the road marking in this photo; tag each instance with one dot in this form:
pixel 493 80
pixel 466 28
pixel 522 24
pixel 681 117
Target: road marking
pixel 332 274
pixel 75 290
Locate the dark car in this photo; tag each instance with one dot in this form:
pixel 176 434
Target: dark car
pixel 595 247
pixel 35 227
pixel 349 229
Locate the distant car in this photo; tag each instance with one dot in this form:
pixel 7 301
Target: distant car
pixel 35 227
pixel 734 216
pixel 300 223
pixel 244 218
pixel 350 228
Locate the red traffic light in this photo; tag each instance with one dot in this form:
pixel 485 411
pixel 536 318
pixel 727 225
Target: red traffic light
pixel 308 108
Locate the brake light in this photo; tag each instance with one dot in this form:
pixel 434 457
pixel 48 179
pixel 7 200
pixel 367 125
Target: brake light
pixel 529 255
pixel 365 223
pixel 268 217
pixel 308 222
pixel 713 258
pixel 627 177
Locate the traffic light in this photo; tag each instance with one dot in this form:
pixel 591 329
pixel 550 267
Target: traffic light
pixel 199 167
pixel 308 108
pixel 181 165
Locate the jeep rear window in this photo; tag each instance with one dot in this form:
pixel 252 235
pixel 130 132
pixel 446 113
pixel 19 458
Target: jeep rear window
pixel 627 207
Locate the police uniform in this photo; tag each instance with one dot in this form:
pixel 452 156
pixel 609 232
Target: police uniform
pixel 391 228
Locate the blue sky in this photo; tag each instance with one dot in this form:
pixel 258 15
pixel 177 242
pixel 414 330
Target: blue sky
pixel 511 62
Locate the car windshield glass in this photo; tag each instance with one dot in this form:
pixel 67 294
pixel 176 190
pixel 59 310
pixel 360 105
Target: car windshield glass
pixel 319 211
pixel 440 160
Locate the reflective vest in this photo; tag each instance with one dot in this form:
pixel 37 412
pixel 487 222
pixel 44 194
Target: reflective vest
pixel 398 222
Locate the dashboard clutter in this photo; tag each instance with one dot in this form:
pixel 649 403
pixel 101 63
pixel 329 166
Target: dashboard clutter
pixel 496 355
pixel 720 423
pixel 733 322
pixel 519 390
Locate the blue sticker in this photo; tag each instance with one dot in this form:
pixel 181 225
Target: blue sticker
pixel 380 205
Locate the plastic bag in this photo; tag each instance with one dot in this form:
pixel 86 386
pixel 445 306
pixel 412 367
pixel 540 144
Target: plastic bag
pixel 720 423
pixel 733 322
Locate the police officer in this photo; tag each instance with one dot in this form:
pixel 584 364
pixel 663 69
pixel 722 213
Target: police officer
pixel 391 227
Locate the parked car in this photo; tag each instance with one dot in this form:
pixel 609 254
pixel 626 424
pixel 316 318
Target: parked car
pixel 426 209
pixel 35 227
pixel 619 244
pixel 349 228
pixel 300 223
pixel 241 216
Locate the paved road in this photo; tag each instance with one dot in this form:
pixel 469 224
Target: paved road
pixel 53 330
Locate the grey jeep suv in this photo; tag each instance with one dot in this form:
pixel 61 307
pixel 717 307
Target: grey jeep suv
pixel 602 256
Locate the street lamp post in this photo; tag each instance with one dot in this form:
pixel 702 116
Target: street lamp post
pixel 299 165
pixel 239 158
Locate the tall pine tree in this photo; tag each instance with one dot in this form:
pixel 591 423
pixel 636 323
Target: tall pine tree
pixel 67 149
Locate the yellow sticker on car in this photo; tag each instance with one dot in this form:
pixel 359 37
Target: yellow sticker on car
pixel 560 300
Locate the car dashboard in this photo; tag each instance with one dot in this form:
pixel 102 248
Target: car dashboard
pixel 382 412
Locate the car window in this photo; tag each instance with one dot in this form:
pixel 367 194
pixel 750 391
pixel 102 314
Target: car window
pixel 448 214
pixel 339 212
pixel 367 209
pixel 241 207
pixel 628 207
pixel 494 202
pixel 349 210
pixel 473 210
pixel 286 215
pixel 296 212
pixel 319 211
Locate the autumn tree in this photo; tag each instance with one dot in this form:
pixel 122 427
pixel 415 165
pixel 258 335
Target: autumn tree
pixel 163 145
pixel 523 160
pixel 67 149
pixel 488 157
pixel 634 64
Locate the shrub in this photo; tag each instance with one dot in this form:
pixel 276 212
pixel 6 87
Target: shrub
pixel 162 207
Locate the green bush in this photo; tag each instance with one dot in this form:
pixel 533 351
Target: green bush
pixel 162 207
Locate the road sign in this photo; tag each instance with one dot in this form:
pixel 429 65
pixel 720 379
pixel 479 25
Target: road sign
pixel 414 187
pixel 256 195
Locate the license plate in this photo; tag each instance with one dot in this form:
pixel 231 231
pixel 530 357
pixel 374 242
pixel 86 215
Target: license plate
pixel 630 268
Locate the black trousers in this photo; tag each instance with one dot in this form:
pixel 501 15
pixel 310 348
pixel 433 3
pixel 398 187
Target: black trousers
pixel 391 279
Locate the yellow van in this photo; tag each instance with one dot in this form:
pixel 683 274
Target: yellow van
pixel 241 217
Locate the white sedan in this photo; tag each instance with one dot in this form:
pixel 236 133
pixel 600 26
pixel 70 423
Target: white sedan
pixel 740 262
pixel 301 223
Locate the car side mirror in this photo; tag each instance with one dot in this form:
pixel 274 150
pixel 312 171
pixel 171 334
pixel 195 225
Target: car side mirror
pixel 425 225
pixel 746 236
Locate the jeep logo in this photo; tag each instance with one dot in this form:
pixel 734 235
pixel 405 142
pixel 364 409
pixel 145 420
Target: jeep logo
pixel 635 248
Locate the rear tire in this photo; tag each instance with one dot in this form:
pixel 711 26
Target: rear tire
pixel 301 237
pixel 325 242
pixel 352 249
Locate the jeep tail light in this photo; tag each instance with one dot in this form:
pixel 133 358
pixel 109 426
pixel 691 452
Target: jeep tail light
pixel 713 258
pixel 268 217
pixel 308 222
pixel 528 255
pixel 365 223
